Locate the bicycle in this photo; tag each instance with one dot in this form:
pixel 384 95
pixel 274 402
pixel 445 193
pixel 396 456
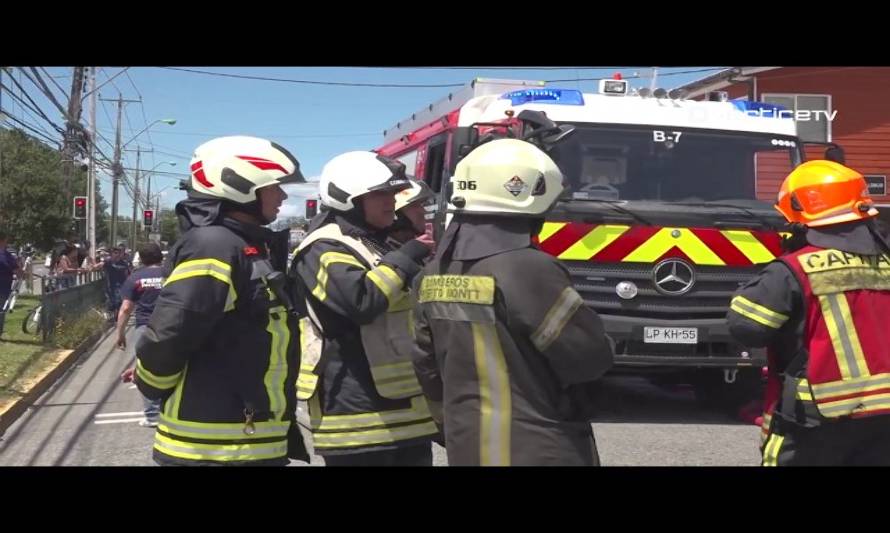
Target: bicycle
pixel 9 304
pixel 32 324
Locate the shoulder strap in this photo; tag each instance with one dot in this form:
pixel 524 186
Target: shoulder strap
pixel 332 232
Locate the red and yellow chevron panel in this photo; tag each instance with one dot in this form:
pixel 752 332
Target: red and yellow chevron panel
pixel 650 244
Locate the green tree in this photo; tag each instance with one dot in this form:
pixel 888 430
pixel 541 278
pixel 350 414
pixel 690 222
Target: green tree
pixel 32 206
pixel 169 226
pixel 295 222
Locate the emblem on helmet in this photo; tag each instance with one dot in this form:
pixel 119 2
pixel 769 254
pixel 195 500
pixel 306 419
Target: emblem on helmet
pixel 515 186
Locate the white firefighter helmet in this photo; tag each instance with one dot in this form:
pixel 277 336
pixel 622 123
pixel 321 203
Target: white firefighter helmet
pixel 419 192
pixel 505 176
pixel 233 168
pixel 350 175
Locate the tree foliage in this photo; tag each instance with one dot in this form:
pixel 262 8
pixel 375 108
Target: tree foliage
pixel 33 207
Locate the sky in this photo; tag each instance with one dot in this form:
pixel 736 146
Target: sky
pixel 314 122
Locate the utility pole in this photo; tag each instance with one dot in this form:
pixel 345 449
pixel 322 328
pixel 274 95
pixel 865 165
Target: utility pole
pixel 91 177
pixel 148 206
pixel 72 143
pixel 116 167
pixel 137 193
pixel 135 198
pixel 148 192
pixel 116 171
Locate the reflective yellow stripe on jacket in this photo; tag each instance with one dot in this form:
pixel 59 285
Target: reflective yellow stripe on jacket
pixel 213 268
pixel 758 313
pixel 367 429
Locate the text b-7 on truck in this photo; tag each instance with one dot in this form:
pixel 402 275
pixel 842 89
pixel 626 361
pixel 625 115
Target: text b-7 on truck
pixel 661 221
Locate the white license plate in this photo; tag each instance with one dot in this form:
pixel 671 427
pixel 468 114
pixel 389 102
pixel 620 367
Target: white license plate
pixel 670 335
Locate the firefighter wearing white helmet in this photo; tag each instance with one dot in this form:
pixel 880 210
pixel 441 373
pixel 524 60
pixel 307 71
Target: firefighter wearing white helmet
pixel 411 212
pixel 223 348
pixel 365 403
pixel 506 349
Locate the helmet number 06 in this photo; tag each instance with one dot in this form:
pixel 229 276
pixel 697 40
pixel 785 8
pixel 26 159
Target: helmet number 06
pixel 466 185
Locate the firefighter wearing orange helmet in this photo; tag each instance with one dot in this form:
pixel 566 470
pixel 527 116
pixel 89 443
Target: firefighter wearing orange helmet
pixel 822 309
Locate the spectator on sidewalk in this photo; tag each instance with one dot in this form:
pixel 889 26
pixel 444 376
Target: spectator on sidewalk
pixel 139 293
pixel 116 270
pixel 9 266
pixel 66 268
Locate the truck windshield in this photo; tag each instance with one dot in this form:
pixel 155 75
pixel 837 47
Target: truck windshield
pixel 673 164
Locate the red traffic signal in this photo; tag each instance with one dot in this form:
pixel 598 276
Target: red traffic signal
pixel 80 207
pixel 311 208
pixel 148 218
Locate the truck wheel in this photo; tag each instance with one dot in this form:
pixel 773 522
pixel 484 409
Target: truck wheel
pixel 712 391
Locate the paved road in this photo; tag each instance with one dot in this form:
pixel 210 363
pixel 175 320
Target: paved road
pixel 91 418
pixel 88 418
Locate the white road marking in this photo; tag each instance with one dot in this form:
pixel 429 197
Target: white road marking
pixel 109 415
pixel 118 421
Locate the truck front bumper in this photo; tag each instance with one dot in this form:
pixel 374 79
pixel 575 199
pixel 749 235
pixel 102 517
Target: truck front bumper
pixel 715 348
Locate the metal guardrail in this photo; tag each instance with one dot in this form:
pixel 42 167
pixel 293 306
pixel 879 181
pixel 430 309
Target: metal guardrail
pixel 67 296
pixel 64 281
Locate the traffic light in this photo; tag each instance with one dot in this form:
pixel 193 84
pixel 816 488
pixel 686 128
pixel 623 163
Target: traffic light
pixel 148 218
pixel 311 208
pixel 80 207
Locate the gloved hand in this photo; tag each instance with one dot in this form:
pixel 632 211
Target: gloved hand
pixel 427 238
pixel 797 239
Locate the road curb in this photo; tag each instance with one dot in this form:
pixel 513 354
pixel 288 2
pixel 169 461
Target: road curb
pixel 49 378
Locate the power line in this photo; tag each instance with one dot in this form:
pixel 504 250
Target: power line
pixel 183 157
pixel 37 123
pixel 404 85
pixel 183 174
pixel 107 114
pixel 38 82
pixel 127 119
pixel 111 80
pixel 24 93
pixel 25 105
pixel 127 72
pixel 106 82
pixel 499 68
pixel 30 128
pixel 144 116
pixel 269 135
pixel 311 82
pixel 52 79
pixel 661 75
pixel 104 138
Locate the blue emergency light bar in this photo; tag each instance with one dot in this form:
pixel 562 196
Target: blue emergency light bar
pixel 763 109
pixel 548 96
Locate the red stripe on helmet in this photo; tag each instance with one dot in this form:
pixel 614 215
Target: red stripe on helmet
pixel 198 173
pixel 262 164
